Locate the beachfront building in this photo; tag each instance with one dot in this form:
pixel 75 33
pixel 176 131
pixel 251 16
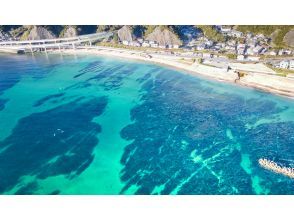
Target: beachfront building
pixel 272 53
pixel 291 65
pixel 135 44
pixel 253 58
pixel 287 52
pixel 240 57
pixel 284 52
pixel 140 40
pixel 125 43
pixel 241 49
pixel 154 45
pixel 145 44
pixel 257 50
pixel 207 55
pixel 250 51
pixel 162 46
pixel 284 64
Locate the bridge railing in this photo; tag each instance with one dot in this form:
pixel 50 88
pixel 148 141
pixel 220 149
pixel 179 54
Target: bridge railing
pixel 88 37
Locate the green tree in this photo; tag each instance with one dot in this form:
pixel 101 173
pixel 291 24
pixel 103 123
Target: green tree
pixel 211 33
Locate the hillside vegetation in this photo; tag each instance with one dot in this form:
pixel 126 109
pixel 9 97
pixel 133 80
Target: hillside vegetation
pixel 282 35
pixel 278 32
pixel 211 33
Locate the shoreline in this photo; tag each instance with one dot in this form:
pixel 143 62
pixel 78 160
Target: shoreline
pixel 274 84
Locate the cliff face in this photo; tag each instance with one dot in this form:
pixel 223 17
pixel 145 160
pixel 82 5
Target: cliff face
pixel 164 37
pixel 39 33
pixel 125 34
pixel 70 32
pixel 289 38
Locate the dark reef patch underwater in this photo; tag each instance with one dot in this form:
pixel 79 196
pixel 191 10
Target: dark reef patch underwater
pixel 94 125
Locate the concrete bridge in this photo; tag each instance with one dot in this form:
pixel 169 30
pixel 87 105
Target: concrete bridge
pixel 51 44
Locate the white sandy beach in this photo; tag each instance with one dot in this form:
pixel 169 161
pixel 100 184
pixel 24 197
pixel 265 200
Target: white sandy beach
pixel 257 76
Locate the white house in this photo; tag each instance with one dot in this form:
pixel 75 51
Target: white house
pixel 209 43
pixel 241 46
pixel 230 48
pixel 284 64
pixel 235 33
pixel 291 65
pixel 175 46
pixel 206 55
pixel 135 44
pixel 273 53
pixel 155 45
pixel 281 52
pixel 257 49
pixel 125 42
pixel 145 44
pixel 287 52
pixel 162 46
pixel 253 58
pixel 225 29
pixel 250 51
pixel 232 43
pixel 200 47
pixel 140 40
pixel 240 57
pixel 241 51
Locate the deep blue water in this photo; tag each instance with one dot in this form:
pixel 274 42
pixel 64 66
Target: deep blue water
pixel 94 125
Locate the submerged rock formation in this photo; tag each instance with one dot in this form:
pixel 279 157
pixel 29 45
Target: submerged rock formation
pixel 164 36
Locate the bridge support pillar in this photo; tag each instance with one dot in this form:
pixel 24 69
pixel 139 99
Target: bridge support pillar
pixel 31 48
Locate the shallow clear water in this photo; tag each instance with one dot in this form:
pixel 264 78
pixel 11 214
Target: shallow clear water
pixel 95 125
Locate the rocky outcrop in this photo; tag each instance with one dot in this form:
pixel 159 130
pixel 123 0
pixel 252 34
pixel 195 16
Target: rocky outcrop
pixel 39 33
pixel 289 38
pixel 125 34
pixel 70 31
pixel 164 36
pixel 5 36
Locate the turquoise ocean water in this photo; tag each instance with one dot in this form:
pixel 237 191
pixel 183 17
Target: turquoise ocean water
pixel 96 125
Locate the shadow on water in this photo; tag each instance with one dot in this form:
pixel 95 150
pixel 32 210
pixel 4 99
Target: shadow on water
pixel 48 98
pixel 188 139
pixel 57 141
